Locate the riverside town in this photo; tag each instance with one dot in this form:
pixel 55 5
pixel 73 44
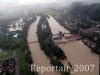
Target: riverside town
pixel 49 37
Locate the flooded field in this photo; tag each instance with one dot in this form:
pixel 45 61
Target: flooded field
pixel 38 56
pixel 76 51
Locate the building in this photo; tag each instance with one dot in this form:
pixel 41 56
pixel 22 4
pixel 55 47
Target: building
pixel 64 38
pixel 57 39
pixel 72 37
pixel 89 43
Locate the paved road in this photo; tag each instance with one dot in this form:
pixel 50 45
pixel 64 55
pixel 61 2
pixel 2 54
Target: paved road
pixel 17 66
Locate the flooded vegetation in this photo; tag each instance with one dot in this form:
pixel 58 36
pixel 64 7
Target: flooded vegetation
pixel 49 37
pixel 38 56
pixel 76 51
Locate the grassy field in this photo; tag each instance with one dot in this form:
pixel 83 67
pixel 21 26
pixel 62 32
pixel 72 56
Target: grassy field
pixel 6 54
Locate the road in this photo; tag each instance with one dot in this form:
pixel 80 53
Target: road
pixel 17 66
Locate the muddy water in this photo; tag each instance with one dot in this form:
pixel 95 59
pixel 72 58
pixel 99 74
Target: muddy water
pixel 38 56
pixel 76 51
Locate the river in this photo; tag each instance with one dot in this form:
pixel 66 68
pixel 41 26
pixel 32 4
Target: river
pixel 38 56
pixel 76 51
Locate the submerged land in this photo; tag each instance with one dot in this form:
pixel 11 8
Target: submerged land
pixel 51 37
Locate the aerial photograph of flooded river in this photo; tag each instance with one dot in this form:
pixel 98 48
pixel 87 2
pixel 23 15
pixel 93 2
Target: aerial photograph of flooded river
pixel 49 37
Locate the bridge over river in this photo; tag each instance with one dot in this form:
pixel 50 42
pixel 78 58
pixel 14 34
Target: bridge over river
pixel 76 51
pixel 38 56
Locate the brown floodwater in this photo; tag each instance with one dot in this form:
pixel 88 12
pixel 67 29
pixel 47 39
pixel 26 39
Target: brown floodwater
pixel 77 52
pixel 38 56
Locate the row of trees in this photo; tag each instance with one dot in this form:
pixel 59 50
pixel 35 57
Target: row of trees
pixel 27 25
pixel 47 45
pixel 26 50
pixel 45 40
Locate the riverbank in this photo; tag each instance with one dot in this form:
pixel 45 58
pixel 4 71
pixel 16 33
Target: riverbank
pixel 77 52
pixel 38 56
